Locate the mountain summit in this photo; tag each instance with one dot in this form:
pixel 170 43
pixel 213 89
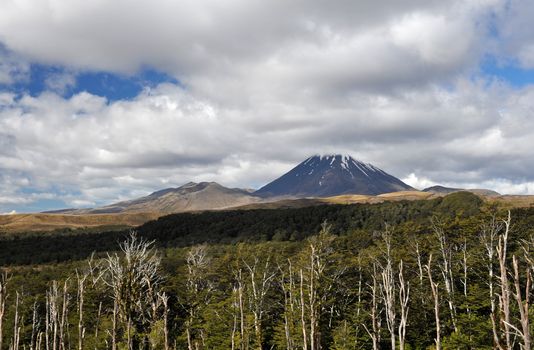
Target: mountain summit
pixel 332 175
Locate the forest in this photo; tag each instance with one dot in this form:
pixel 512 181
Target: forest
pixel 450 273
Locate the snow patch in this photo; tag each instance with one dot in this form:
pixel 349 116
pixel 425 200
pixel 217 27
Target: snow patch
pixel 361 168
pixel 345 162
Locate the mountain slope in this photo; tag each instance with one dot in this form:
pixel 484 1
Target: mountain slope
pixel 189 197
pixel 441 189
pixel 446 190
pixel 332 175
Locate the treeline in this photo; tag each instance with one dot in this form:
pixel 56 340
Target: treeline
pixel 460 281
pixel 180 230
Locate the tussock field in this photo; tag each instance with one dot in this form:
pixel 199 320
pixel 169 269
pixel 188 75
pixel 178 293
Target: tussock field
pixel 47 222
pixel 50 222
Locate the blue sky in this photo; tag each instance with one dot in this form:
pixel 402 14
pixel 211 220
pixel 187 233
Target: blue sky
pixel 110 85
pixel 101 103
pixel 511 73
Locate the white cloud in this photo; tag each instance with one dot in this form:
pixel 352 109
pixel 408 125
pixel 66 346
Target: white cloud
pixel 431 36
pixel 266 84
pixel 416 182
pixel 252 43
pixel 515 32
pixel 12 67
pixel 60 82
pixel 94 152
pixel 13 212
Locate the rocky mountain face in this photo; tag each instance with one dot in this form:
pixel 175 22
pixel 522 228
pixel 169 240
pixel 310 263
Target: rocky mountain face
pixel 332 175
pixel 189 197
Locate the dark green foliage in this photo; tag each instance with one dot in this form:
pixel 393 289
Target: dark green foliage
pixel 460 204
pixel 179 230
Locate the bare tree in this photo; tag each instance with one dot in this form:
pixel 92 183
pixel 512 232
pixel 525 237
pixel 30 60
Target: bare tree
pixel 374 332
pixel 261 276
pixel 114 325
pixel 388 289
pixel 464 279
pixel 420 273
pixel 235 308
pixel 63 321
pixel 134 279
pixel 97 324
pixel 504 297
pixel 488 237
pixel 4 280
pixel 16 324
pixel 446 268
pixel 359 301
pixel 287 283
pixel 404 298
pixel 52 316
pixel 303 312
pixel 435 297
pixel 35 327
pixel 320 281
pixel 165 302
pixel 522 304
pixel 198 292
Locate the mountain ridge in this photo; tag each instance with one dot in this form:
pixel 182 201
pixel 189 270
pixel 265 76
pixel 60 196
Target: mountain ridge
pixel 438 189
pixel 191 196
pixel 327 178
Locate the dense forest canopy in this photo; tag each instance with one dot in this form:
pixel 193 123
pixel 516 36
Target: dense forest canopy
pixel 185 229
pixel 450 273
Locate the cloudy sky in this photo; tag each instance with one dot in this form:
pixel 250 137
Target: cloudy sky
pixel 107 100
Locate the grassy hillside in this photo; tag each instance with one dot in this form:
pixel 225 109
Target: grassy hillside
pixel 49 222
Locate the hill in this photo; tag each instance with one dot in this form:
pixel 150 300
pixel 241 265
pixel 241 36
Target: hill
pixel 189 197
pixel 447 190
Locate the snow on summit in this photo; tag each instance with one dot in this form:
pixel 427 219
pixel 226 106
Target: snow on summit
pixel 331 175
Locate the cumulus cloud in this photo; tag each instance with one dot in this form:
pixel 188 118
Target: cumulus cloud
pixel 12 67
pixel 264 85
pixel 95 152
pixel 516 32
pixel 342 43
pixel 60 82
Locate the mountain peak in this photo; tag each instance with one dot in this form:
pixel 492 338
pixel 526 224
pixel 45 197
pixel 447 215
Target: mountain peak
pixel 333 157
pixel 330 175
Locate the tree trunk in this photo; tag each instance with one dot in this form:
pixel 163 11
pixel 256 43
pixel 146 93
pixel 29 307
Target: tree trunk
pixel 374 332
pixel 114 326
pixel 388 290
pixel 303 313
pixel 435 296
pixel 3 297
pixel 404 297
pixel 16 328
pixel 523 305
pixel 487 238
pixel 165 301
pixel 446 270
pixel 504 300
